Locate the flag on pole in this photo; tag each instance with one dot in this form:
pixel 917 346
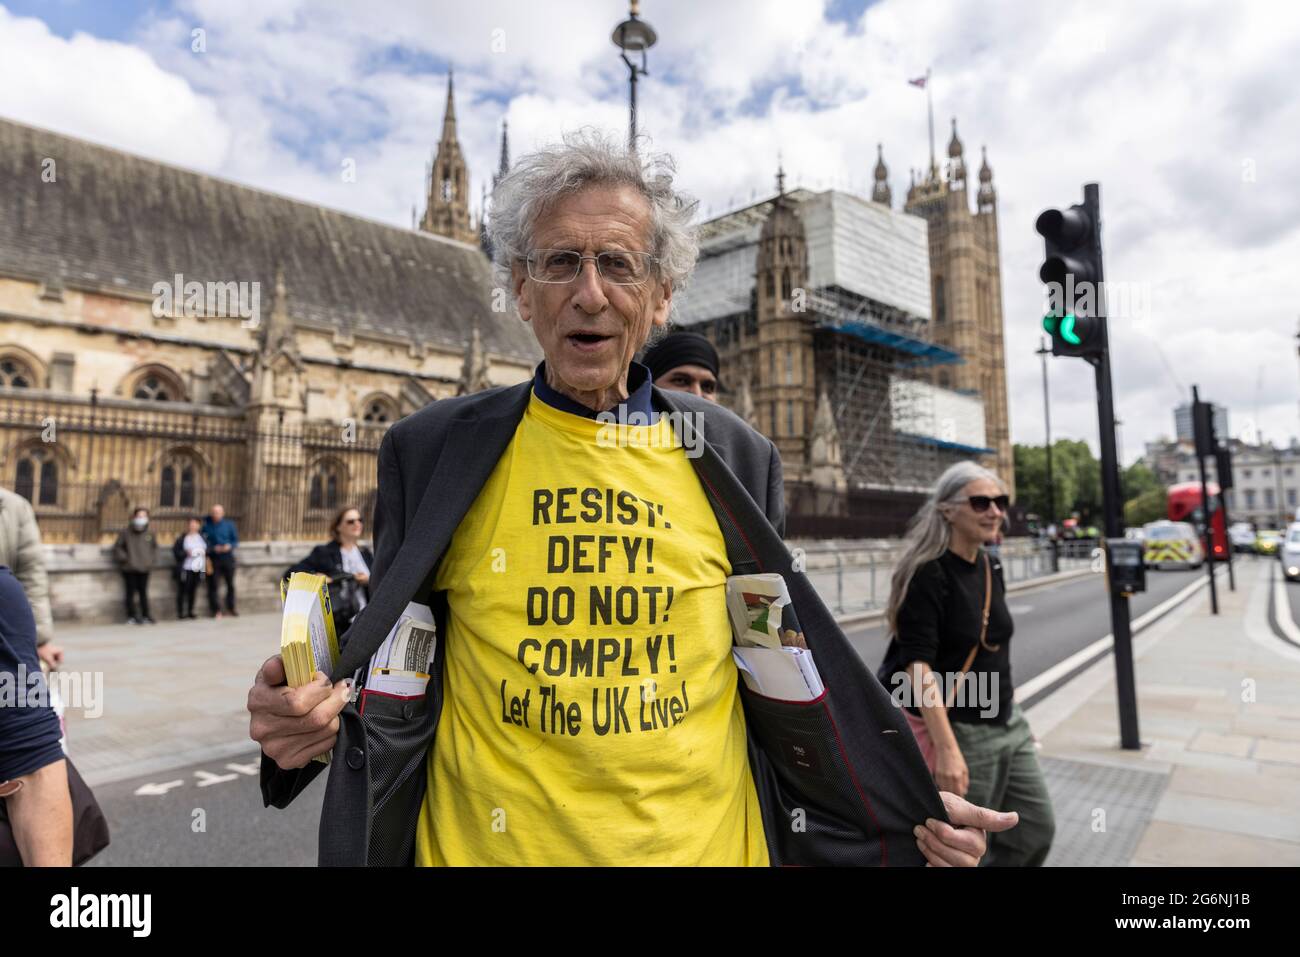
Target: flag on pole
pixel 919 81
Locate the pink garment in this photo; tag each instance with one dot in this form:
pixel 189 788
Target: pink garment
pixel 923 740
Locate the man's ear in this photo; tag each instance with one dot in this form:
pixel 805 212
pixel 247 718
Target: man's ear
pixel 518 275
pixel 665 304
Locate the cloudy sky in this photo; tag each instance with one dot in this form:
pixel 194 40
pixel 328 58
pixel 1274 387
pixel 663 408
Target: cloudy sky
pixel 1185 113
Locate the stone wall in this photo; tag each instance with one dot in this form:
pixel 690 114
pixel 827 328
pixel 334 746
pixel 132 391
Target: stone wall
pixel 86 586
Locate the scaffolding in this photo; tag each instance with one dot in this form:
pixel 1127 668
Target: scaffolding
pixel 875 362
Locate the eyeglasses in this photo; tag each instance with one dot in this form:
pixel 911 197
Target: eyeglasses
pixel 619 267
pixel 981 503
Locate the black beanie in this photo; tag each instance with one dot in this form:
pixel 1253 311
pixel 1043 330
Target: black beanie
pixel 681 349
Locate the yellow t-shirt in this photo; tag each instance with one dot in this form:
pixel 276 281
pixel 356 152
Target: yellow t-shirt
pixel 591 714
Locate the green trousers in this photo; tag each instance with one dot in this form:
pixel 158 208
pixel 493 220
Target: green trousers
pixel 1005 775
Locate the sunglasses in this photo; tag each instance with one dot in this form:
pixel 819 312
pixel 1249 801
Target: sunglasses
pixel 981 503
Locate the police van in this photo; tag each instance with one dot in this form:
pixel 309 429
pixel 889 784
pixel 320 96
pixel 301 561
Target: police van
pixel 1172 545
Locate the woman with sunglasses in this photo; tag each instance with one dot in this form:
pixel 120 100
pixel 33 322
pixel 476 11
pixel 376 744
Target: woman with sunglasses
pixel 949 662
pixel 347 564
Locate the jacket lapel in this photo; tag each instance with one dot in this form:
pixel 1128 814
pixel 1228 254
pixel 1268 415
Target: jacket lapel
pixel 474 443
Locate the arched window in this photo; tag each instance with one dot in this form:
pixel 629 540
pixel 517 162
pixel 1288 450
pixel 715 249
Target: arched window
pixel 37 478
pixel 326 489
pixel 379 410
pixel 15 374
pixel 770 285
pixel 153 388
pixel 177 486
pixel 785 285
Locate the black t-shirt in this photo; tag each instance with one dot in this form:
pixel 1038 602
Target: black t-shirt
pixel 939 623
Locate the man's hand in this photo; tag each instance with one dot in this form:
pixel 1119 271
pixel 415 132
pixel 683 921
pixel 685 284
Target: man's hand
pixel 293 725
pixel 362 578
pixel 51 654
pixel 963 843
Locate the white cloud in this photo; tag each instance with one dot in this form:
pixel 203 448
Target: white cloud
pixel 106 91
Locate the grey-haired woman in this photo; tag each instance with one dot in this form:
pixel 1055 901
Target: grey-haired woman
pixel 949 662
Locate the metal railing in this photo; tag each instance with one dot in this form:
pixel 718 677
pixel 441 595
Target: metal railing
pixel 856 577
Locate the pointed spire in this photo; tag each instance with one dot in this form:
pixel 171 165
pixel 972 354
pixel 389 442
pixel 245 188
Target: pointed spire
pixel 474 370
pixel 503 166
pixel 880 193
pixel 780 176
pixel 449 113
pixel 954 144
pixel 987 197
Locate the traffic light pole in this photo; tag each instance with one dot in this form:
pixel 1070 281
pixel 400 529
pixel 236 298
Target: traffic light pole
pixel 1113 504
pixel 1206 516
pixel 1044 352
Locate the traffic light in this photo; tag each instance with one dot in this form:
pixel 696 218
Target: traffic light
pixel 1203 429
pixel 1073 274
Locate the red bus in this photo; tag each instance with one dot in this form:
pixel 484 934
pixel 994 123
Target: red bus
pixel 1185 506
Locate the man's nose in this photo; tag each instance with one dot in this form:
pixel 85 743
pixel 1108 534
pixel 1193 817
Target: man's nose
pixel 589 294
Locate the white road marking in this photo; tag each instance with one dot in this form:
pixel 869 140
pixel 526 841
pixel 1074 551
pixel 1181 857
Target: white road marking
pixel 154 789
pixel 207 778
pixel 252 768
pixel 1062 668
pixel 1020 609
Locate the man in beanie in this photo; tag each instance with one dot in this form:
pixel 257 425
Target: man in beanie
pixel 685 362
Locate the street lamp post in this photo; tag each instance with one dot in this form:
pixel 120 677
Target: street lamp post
pixel 634 36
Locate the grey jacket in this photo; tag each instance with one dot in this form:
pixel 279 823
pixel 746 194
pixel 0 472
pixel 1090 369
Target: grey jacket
pixel 20 549
pixel 840 780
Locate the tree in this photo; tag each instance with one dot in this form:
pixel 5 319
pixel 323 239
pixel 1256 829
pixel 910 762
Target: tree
pixel 1151 506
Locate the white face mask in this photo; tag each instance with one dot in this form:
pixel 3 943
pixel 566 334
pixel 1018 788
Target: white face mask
pixel 139 523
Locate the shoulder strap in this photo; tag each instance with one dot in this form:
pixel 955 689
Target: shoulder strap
pixel 984 625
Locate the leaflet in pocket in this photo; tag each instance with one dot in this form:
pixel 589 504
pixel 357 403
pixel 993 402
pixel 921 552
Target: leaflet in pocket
pixel 402 664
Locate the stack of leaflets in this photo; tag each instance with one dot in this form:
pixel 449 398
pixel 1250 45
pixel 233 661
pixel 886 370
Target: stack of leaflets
pixel 769 649
pixel 307 640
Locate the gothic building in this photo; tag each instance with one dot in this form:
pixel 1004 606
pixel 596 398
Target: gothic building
pixel 170 339
pixel 966 275
pixel 446 211
pixel 866 342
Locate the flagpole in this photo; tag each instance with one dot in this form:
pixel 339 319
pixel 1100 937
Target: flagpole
pixel 929 105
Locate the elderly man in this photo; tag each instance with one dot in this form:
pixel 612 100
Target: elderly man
pixel 684 362
pixel 584 706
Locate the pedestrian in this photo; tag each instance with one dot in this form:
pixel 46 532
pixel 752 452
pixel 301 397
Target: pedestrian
pixel 684 362
pixel 20 549
pixel 497 507
pixel 33 770
pixel 135 552
pixel 190 551
pixel 347 563
pixel 949 661
pixel 222 539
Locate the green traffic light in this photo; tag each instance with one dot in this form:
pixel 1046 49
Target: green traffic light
pixel 1052 324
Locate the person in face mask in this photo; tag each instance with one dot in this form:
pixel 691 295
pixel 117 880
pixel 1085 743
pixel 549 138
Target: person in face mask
pixel 136 551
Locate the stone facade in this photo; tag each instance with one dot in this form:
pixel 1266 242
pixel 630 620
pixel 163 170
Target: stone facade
pixel 169 340
pixel 966 272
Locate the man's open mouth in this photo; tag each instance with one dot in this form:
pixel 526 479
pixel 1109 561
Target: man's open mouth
pixel 588 338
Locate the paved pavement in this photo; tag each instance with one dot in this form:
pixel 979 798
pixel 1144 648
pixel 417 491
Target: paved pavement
pixel 1217 780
